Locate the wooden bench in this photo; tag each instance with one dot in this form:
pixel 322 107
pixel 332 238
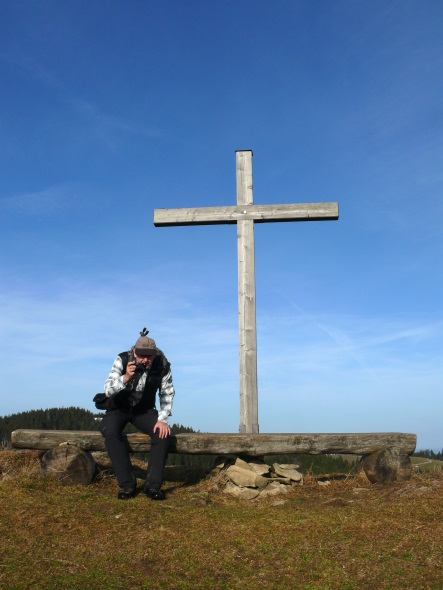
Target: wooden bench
pixel 386 456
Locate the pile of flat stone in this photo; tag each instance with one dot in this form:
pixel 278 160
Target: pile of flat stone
pixel 253 478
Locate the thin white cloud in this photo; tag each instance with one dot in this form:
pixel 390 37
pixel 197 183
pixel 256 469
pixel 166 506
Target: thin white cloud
pixel 49 201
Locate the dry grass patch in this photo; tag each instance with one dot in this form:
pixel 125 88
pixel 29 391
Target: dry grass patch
pixel 347 535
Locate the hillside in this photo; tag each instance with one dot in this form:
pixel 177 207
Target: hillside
pixel 347 535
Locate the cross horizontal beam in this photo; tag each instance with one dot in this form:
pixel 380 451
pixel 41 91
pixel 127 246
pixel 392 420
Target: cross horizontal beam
pixel 257 213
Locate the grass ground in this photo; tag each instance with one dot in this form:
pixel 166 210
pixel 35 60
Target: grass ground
pixel 347 535
pixel 422 465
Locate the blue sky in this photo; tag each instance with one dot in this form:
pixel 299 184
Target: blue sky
pixel 110 110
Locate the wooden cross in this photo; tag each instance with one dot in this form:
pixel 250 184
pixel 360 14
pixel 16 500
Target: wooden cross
pixel 244 215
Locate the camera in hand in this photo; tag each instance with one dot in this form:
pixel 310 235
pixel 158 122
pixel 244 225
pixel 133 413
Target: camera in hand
pixel 140 368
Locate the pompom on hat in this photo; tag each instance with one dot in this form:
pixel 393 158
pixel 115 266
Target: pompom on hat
pixel 145 346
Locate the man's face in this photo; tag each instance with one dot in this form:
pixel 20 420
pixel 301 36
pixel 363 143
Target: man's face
pixel 144 360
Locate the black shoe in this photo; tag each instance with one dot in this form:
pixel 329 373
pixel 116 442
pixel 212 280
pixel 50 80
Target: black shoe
pixel 126 494
pixel 155 494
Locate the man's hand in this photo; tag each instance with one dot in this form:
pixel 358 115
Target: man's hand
pixel 130 370
pixel 163 429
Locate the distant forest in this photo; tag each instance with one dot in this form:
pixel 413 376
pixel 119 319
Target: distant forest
pixel 58 419
pixel 428 454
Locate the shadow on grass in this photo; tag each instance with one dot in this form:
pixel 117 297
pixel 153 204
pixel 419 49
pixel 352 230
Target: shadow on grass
pixel 181 475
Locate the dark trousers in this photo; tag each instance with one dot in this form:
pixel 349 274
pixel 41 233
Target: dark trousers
pixel 112 426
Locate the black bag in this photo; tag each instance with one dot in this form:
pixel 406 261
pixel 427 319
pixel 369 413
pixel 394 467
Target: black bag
pixel 103 402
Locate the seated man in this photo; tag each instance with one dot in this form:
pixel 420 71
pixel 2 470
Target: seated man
pixel 131 387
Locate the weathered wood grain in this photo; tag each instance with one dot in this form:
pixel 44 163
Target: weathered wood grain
pixel 256 213
pixel 246 299
pixel 252 445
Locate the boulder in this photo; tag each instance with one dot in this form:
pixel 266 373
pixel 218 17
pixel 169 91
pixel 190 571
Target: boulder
pixel 70 464
pixel 387 466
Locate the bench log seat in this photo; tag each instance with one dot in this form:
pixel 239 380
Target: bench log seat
pixel 386 455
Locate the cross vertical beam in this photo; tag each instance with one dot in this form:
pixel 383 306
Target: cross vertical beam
pixel 246 299
pixel 244 214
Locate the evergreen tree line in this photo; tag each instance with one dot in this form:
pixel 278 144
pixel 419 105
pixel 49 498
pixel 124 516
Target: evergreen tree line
pixel 429 454
pixel 71 418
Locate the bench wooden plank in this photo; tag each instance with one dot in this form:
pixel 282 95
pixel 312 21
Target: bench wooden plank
pixel 252 445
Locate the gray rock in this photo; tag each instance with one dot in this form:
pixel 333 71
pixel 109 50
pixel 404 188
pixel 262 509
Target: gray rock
pixel 284 480
pixel 242 477
pixel 287 471
pixel 260 468
pixel 243 464
pixel 219 464
pixel 261 482
pixel 387 466
pixel 242 493
pixel 274 489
